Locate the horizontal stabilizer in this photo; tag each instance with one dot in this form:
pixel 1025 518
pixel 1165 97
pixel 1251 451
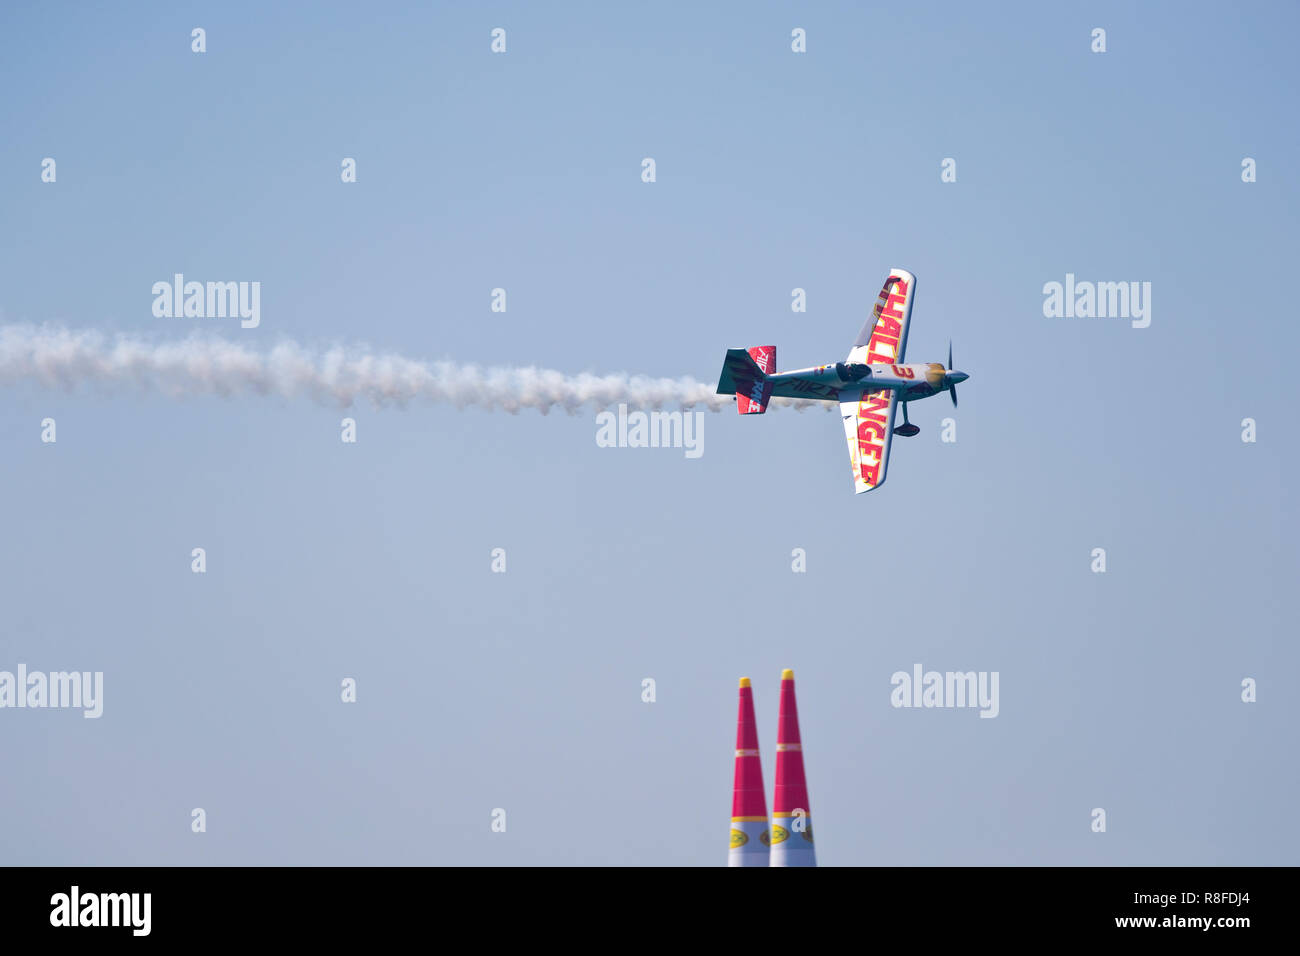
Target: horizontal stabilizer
pixel 745 374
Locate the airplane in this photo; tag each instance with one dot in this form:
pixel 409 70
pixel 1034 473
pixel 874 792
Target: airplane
pixel 869 384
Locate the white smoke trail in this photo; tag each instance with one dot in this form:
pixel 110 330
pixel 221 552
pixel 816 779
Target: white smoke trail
pixel 198 365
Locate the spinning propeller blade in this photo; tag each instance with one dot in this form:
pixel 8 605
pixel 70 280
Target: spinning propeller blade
pixel 952 388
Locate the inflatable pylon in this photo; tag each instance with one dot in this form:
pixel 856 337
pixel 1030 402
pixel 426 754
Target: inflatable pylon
pixel 749 834
pixel 792 834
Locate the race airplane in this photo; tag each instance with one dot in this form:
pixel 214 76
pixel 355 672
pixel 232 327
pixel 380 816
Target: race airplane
pixel 869 384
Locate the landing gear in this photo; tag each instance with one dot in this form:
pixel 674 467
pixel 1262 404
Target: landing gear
pixel 907 429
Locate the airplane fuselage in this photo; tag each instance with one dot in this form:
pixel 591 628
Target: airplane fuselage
pixel 824 382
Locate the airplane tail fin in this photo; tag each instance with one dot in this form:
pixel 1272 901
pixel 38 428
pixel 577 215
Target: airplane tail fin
pixel 745 372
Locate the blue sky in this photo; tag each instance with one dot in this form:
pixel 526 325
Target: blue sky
pixel 775 170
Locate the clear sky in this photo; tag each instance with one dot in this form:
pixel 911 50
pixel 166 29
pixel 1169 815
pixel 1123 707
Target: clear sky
pixel 775 170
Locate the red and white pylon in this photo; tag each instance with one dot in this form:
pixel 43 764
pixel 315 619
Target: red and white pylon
pixel 749 834
pixel 792 835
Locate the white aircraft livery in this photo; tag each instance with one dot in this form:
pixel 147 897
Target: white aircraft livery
pixel 869 384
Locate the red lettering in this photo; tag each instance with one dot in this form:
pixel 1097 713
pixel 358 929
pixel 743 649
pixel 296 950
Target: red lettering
pixel 883 346
pixel 873 412
pixel 870 469
pixel 870 433
pixel 887 329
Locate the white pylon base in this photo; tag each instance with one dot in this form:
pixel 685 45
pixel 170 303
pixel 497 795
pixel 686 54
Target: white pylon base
pixel 750 840
pixel 791 847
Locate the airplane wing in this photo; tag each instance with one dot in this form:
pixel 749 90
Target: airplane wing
pixel 869 426
pixel 883 340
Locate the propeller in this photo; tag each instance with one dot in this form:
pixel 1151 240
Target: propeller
pixel 952 386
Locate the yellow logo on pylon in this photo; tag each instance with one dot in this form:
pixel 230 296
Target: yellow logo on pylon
pixel 738 838
pixel 807 833
pixel 779 834
pixel 764 839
